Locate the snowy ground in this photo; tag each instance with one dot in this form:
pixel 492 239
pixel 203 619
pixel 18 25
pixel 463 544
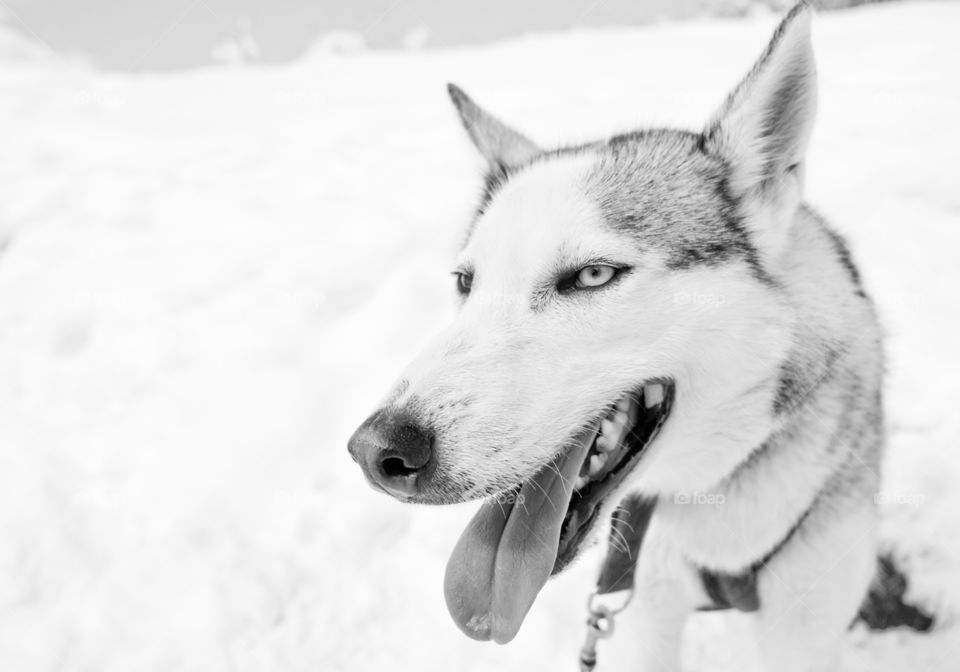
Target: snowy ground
pixel 207 279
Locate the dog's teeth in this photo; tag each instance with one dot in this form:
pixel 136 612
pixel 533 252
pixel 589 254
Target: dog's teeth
pixel 621 418
pixel 609 430
pixel 596 463
pixel 623 404
pixel 580 482
pixel 653 394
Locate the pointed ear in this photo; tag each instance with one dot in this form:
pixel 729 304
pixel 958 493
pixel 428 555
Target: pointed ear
pixel 763 127
pixel 500 145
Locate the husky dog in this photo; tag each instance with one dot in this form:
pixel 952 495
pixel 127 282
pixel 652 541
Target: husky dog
pixel 655 315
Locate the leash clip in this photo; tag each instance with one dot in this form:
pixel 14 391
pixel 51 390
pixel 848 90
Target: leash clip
pixel 600 625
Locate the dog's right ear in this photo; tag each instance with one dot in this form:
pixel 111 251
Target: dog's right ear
pixel 763 127
pixel 500 145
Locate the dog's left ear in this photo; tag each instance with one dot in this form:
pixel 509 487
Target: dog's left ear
pixel 501 146
pixel 762 129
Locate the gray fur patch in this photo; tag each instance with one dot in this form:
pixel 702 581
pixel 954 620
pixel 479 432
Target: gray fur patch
pixel 799 381
pixel 660 187
pixel 843 254
pixel 495 178
pixel 663 189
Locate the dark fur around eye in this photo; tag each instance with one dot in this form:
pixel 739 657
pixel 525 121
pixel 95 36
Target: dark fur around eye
pixel 464 283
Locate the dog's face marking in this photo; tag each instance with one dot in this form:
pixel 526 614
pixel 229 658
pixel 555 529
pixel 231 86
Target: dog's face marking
pixel 525 365
pixel 516 324
pixel 663 188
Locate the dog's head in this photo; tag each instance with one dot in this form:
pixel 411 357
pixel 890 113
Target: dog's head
pixel 619 331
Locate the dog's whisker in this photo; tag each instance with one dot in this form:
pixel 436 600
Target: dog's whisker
pixel 622 522
pixel 534 482
pixel 620 541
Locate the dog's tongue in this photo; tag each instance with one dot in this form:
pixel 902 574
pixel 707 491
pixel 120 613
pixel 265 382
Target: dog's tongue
pixel 508 551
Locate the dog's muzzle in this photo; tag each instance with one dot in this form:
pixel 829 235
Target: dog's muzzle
pixel 395 452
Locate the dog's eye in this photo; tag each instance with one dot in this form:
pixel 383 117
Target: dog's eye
pixel 594 276
pixel 464 282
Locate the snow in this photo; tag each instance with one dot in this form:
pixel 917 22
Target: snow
pixel 208 278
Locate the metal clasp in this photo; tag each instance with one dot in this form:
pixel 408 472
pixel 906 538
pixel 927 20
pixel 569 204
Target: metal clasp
pixel 600 625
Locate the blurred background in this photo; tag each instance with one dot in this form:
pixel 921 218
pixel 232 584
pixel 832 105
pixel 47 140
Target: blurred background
pixel 226 226
pixel 136 35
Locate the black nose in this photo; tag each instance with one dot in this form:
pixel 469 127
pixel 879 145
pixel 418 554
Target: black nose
pixel 395 451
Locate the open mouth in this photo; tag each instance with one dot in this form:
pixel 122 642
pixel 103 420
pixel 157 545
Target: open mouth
pixel 517 540
pixel 623 437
